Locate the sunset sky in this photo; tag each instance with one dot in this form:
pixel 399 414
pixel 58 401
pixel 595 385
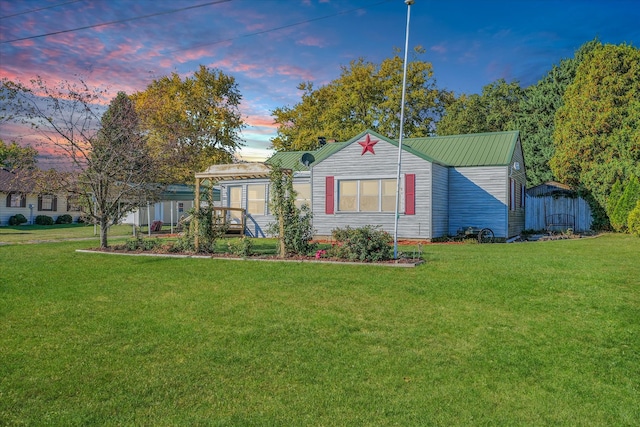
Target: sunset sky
pixel 270 46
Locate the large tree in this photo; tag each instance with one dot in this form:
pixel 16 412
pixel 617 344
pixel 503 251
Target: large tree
pixel 16 157
pixel 191 123
pixel 494 110
pixel 111 170
pixel 536 117
pixel 597 130
pixel 366 95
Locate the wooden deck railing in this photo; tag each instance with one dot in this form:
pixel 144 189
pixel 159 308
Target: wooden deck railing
pixel 234 219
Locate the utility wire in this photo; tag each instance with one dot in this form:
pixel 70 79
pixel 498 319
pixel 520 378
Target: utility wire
pixel 39 9
pixel 118 21
pixel 344 12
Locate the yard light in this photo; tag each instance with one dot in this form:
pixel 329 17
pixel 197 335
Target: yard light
pixel 404 90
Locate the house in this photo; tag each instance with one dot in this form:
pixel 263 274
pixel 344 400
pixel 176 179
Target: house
pixel 447 183
pixel 553 206
pixel 18 196
pixel 174 202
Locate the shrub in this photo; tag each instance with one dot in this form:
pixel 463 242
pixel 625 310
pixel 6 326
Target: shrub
pixel 17 219
pixel 139 243
pixel 205 224
pixel 241 247
pixel 64 219
pixel 366 243
pixel 634 220
pixel 44 220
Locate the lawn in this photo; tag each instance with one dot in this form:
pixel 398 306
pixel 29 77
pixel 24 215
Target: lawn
pixel 40 233
pixel 505 334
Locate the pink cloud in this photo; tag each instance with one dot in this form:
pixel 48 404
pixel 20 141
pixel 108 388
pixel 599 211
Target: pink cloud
pixel 261 121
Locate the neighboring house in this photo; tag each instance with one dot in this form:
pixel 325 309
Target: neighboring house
pixel 554 206
pixel 17 196
pixel 447 183
pixel 174 203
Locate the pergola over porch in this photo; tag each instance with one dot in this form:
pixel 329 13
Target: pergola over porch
pixel 234 171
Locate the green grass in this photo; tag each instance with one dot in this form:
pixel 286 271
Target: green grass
pixel 507 334
pixel 40 233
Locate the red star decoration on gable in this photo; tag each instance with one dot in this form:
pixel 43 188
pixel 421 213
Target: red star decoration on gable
pixel 367 145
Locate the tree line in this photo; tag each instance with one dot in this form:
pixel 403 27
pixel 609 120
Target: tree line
pixel 579 124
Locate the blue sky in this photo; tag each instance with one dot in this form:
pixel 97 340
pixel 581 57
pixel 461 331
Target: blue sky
pixel 270 46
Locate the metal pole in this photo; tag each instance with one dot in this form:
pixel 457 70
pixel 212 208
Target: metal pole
pixel 404 90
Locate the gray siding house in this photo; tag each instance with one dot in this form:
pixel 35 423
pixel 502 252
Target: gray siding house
pixel 447 183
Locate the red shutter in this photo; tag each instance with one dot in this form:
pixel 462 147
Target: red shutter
pixel 410 194
pixel 329 199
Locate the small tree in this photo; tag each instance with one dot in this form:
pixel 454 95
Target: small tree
pixel 625 204
pixel 293 227
pixel 112 168
pixel 633 221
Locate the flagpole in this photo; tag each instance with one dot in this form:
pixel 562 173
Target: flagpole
pixel 404 90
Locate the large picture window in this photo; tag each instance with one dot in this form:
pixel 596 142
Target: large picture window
pixel 367 195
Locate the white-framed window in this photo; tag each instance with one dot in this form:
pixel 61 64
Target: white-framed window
pixel 235 200
pixel 303 194
pixel 47 202
pixel 73 204
pixel 256 199
pixel 16 200
pixel 366 195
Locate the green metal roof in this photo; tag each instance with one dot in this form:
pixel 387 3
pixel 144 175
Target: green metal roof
pixel 479 149
pixel 185 192
pixel 293 159
pixel 288 160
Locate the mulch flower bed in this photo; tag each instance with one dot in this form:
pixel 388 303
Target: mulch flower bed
pixel 160 252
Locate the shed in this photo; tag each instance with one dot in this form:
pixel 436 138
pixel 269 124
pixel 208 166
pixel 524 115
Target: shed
pixel 553 206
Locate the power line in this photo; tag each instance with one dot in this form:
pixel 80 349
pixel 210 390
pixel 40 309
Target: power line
pixel 281 28
pixel 39 9
pixel 118 21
